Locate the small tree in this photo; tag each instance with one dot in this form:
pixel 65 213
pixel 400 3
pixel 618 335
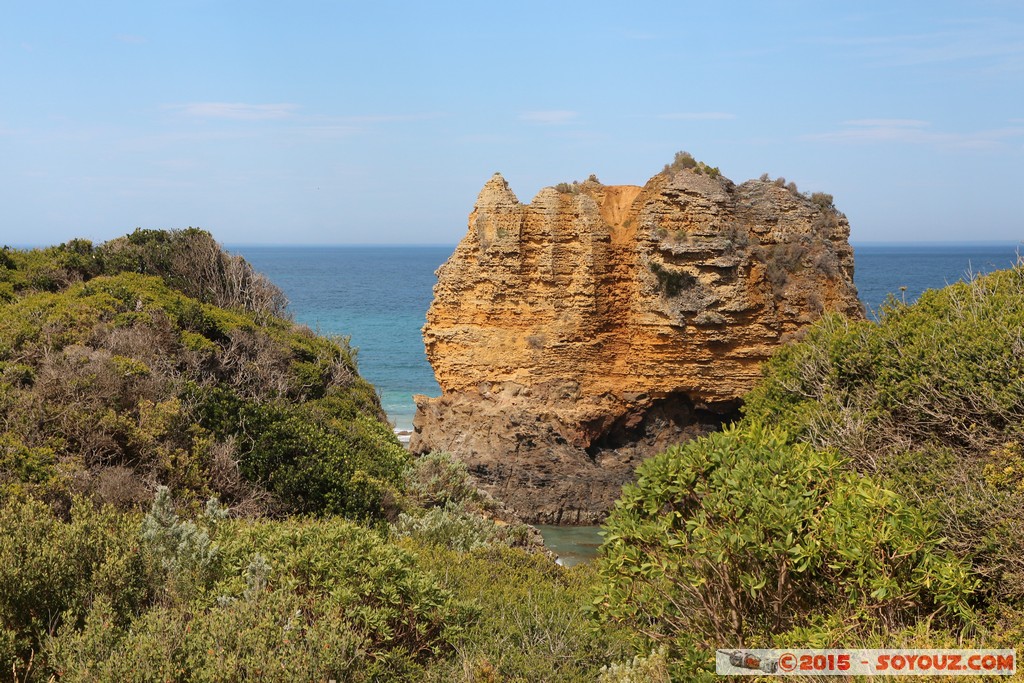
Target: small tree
pixel 682 160
pixel 181 548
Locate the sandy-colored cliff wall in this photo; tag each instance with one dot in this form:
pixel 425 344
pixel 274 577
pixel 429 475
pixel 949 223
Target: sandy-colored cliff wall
pixel 577 334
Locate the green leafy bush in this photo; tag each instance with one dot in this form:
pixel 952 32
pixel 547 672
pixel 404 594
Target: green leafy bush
pixel 444 507
pixel 652 668
pixel 681 161
pixel 277 636
pixel 450 527
pixel 740 536
pixel 52 571
pixel 99 597
pixel 181 549
pixel 932 399
pixel 531 618
pixel 684 161
pixel 437 480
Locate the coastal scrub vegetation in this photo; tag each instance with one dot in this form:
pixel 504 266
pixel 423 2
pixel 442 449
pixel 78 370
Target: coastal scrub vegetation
pixel 931 400
pixel 742 538
pixel 193 488
pixel 684 161
pixel 575 187
pixel 121 369
pixel 672 282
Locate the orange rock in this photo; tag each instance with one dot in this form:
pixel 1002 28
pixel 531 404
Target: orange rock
pixel 576 335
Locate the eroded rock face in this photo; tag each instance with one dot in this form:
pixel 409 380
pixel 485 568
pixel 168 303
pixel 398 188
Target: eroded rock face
pixel 576 335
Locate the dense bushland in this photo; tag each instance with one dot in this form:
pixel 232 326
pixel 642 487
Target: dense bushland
pixel 105 595
pixel 111 384
pixel 156 364
pixel 99 594
pixel 161 424
pixel 189 261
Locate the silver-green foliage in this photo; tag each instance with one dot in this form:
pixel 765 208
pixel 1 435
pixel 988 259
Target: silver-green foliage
pixel 178 545
pixel 652 668
pixel 450 527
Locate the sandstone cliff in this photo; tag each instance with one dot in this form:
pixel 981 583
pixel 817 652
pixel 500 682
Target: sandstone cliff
pixel 578 334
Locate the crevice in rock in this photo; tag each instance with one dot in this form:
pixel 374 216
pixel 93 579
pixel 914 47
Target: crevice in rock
pixel 673 415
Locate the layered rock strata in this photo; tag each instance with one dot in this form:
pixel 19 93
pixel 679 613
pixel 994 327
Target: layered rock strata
pixel 580 333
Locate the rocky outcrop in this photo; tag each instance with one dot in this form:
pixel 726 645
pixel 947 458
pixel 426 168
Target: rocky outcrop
pixel 578 334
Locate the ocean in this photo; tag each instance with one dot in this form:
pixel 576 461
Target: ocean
pixel 379 297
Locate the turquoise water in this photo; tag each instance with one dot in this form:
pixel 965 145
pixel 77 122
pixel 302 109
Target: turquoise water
pixel 572 544
pixel 380 295
pixel 377 295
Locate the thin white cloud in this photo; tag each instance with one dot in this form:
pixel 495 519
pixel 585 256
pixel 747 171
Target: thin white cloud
pixel 640 35
pixel 985 45
pixel 129 38
pixel 345 126
pixel 329 126
pixel 327 130
pixel 237 111
pixel 698 116
pixel 389 118
pixel 549 118
pixel 914 132
pixel 887 123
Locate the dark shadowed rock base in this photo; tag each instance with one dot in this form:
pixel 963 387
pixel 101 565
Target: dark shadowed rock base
pixel 528 461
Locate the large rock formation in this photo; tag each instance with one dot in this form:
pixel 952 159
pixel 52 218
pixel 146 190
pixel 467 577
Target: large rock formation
pixel 578 334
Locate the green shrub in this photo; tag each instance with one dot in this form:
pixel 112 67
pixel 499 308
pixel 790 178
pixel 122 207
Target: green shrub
pixel 946 368
pixel 23 468
pixel 781 261
pixel 438 479
pixel 289 600
pixel 532 618
pixel 684 161
pixel 652 668
pixel 278 636
pixel 741 536
pixel 124 373
pixel 672 282
pixel 403 615
pixel 929 398
pixel 443 507
pixel 181 548
pixel 193 263
pixel 823 200
pixel 349 469
pixel 681 161
pixel 450 527
pixel 52 571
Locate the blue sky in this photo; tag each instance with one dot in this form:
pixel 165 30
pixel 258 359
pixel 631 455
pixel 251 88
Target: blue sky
pixel 345 122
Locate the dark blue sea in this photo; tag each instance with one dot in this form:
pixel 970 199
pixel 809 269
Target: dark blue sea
pixel 379 296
